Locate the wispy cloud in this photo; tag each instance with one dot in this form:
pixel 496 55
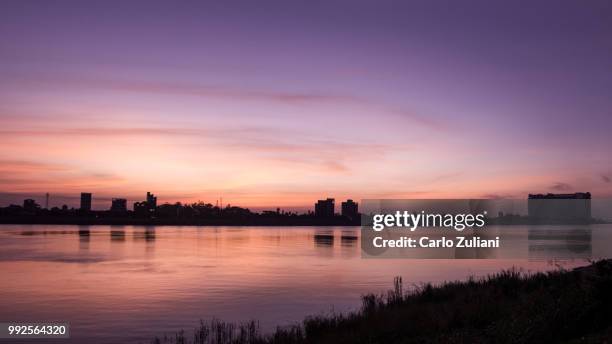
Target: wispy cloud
pixel 446 176
pixel 19 166
pixel 188 89
pixel 36 176
pixel 259 147
pixel 497 196
pixel 200 90
pixel 561 187
pixel 265 142
pixel 424 121
pixel 103 131
pixel 234 93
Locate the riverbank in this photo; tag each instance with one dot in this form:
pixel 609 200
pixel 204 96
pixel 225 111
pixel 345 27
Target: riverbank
pixel 509 307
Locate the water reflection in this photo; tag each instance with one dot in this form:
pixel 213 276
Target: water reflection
pixel 348 239
pixel 560 243
pixel 117 235
pixel 55 232
pixel 148 234
pixel 274 275
pixel 84 237
pixel 84 231
pixel 324 239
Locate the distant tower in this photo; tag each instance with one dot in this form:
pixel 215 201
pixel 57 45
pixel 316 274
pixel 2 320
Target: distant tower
pixel 151 201
pixel 47 201
pixel 85 201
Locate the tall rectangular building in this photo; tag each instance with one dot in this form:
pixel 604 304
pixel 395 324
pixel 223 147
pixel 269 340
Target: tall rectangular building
pixel 86 201
pixel 151 201
pixel 350 209
pixel 325 208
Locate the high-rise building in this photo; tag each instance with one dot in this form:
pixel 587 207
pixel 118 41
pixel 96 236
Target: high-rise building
pixel 119 205
pixel 325 208
pixel 86 201
pixel 350 209
pixel 146 208
pixel 151 200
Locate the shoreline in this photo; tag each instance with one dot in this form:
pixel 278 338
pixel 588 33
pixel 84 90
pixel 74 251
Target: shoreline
pixel 510 306
pixel 264 222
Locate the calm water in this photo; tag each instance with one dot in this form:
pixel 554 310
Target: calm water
pixel 128 284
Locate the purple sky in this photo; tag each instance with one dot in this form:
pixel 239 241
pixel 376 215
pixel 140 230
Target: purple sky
pixel 280 103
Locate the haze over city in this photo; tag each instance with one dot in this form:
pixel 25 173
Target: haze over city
pixel 349 100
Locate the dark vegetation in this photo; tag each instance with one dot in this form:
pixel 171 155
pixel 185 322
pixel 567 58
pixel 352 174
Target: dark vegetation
pixel 508 307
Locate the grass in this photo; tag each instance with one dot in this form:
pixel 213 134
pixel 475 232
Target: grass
pixel 508 307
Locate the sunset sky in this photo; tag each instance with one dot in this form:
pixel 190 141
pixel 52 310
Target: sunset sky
pixel 280 103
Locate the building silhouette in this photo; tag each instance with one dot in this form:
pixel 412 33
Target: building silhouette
pixel 350 209
pixel 85 201
pixel 560 207
pixel 30 205
pixel 151 200
pixel 199 213
pixel 119 205
pixel 325 208
pixel 147 207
